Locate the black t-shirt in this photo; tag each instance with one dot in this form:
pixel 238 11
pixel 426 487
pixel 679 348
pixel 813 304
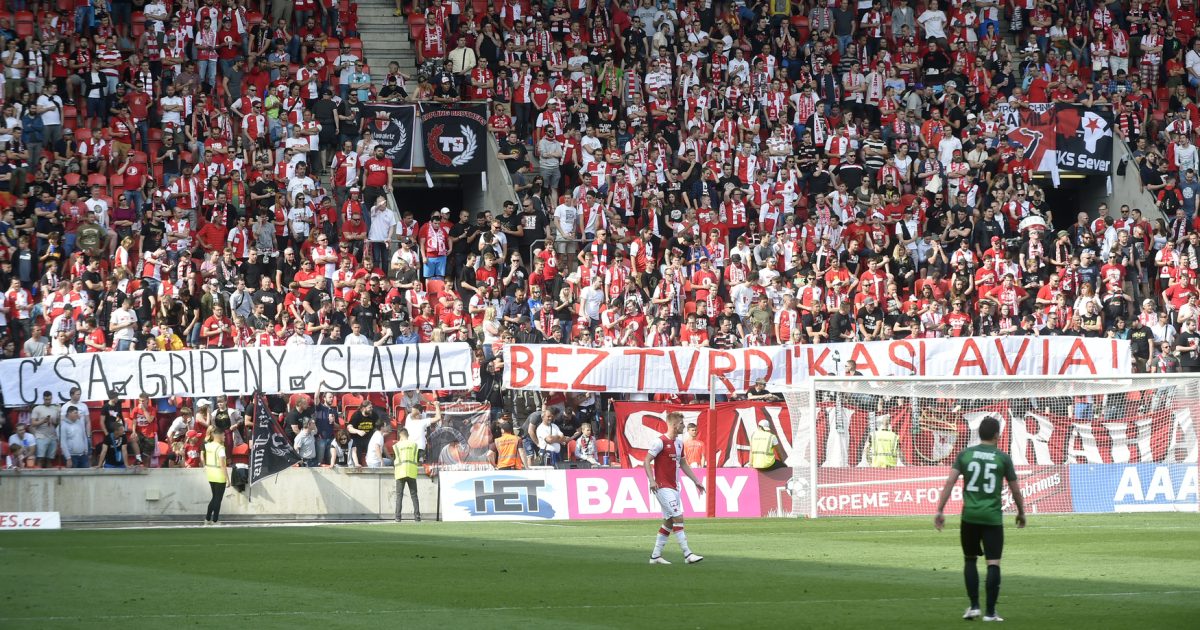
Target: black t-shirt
pixel 463 234
pixel 367 317
pixel 1139 342
pixel 904 320
pixel 839 324
pixel 1187 358
pixel 851 175
pixel 253 272
pixel 870 318
pixel 168 156
pixel 289 270
pixel 324 111
pixel 535 229
pixel 507 148
pixel 366 422
pixel 271 301
pixel 296 419
pixel 115 455
pixel 467 275
pixel 259 188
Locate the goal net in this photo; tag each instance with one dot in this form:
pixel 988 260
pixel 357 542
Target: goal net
pixel 879 446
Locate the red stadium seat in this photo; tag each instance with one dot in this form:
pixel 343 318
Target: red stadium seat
pixel 72 179
pixel 82 134
pixel 96 179
pixel 606 446
pixel 253 18
pixel 433 285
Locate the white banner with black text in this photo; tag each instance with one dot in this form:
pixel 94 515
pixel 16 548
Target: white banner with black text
pixel 238 372
pixel 679 370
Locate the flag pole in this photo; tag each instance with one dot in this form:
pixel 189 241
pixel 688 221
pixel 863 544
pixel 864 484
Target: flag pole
pixel 710 437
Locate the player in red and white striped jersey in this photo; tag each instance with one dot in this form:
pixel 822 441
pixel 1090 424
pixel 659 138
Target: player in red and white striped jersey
pixel 663 463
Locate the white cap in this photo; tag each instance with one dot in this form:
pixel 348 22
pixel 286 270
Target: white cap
pixel 203 402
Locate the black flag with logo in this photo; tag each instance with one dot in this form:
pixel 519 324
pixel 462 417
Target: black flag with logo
pixel 394 128
pixel 270 450
pixel 455 137
pixel 1085 139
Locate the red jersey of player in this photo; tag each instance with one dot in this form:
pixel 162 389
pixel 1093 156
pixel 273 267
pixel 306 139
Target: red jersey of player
pixel 662 465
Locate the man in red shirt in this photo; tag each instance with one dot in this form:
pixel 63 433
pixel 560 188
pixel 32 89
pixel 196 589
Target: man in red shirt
pixel 376 174
pixel 662 465
pixel 218 329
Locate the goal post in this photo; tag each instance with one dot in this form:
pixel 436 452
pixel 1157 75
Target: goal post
pixel 882 446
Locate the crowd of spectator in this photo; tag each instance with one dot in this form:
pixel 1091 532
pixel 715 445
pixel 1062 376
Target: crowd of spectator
pixel 180 174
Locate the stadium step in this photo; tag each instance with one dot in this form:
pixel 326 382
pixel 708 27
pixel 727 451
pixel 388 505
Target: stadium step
pixel 385 38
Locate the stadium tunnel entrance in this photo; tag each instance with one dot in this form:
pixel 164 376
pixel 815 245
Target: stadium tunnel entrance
pixel 1070 198
pixel 416 196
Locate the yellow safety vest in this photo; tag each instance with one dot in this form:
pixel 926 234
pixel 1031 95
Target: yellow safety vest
pixel 213 455
pixel 507 457
pixel 405 452
pixel 884 444
pixel 762 449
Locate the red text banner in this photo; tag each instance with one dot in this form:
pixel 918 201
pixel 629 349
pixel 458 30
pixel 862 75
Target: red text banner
pixel 914 491
pixel 679 370
pixel 640 423
pixel 932 434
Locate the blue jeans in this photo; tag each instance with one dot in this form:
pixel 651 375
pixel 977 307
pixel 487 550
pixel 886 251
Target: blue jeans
pixel 323 450
pixel 843 41
pixel 84 17
pixel 125 344
pixel 68 244
pixel 207 69
pixel 81 461
pixel 551 459
pixel 136 200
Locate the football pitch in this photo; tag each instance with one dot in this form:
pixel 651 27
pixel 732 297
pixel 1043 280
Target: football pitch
pixel 1112 571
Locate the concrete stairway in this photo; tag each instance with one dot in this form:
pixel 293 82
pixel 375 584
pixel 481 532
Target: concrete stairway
pixel 385 39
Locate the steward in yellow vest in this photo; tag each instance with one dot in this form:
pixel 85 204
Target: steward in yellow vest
pixel 405 454
pixel 764 448
pixel 885 446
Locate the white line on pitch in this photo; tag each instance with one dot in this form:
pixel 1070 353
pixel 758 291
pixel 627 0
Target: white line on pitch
pixel 456 611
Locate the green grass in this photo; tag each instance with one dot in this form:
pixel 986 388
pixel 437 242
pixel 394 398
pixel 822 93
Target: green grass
pixel 1120 571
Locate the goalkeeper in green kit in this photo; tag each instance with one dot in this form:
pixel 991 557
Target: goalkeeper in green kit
pixel 983 468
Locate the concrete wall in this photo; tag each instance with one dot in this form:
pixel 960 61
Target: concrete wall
pixel 183 494
pixel 499 185
pixel 1126 190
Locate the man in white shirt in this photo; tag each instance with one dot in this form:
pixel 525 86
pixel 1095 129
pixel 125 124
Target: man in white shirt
pixel 344 65
pixel 375 450
pixel 356 338
pixel 1192 62
pixel 550 439
pixel 381 231
pixel 1185 154
pixel 933 20
pixel 123 324
pixel 566 224
pixel 592 298
pixel 49 106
